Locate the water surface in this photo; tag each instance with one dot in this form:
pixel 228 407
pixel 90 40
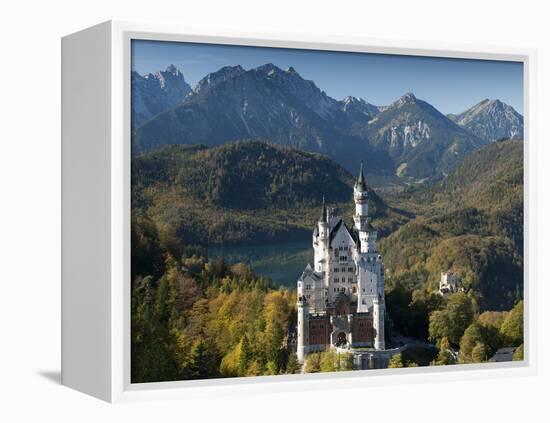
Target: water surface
pixel 283 263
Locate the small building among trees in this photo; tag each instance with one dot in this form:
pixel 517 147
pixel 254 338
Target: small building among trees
pixel 450 283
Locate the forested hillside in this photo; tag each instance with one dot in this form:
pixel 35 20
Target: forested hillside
pixel 244 192
pixel 470 223
pixel 195 319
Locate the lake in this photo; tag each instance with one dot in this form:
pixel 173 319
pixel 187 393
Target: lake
pixel 283 263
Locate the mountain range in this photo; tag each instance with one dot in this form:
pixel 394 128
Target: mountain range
pixel 421 141
pixel 409 138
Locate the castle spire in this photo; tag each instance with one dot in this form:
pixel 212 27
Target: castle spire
pixel 361 183
pixel 360 197
pixel 323 217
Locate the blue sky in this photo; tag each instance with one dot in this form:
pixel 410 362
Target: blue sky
pixel 450 85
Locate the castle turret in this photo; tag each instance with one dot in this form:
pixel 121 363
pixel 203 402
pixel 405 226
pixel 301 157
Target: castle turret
pixel 379 312
pixel 302 329
pixel 321 240
pixel 323 222
pixel 360 197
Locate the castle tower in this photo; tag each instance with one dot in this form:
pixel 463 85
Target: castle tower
pixel 367 266
pixel 360 197
pixel 321 244
pixel 303 329
pixel 323 222
pixel 379 311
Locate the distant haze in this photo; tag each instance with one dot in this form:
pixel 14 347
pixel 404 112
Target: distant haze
pixel 451 85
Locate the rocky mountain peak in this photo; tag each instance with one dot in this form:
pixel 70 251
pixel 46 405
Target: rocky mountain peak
pixel 407 98
pixel 156 92
pixel 171 76
pixel 269 69
pixel 355 105
pixel 490 120
pixel 215 78
pixel 352 100
pixel 173 70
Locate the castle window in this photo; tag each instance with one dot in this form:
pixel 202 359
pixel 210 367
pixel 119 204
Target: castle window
pixel 308 287
pixel 343 269
pixel 343 258
pixel 336 269
pixel 336 280
pixel 350 269
pixel 334 289
pixel 350 279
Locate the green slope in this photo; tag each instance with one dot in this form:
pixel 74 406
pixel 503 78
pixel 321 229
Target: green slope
pixel 244 192
pixel 472 224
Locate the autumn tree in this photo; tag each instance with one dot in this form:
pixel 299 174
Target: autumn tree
pixel 292 366
pixel 345 361
pixel 518 353
pixel 473 348
pixel 479 353
pixel 313 363
pixel 453 319
pixel 445 355
pixel 328 361
pixel 512 327
pixel 396 361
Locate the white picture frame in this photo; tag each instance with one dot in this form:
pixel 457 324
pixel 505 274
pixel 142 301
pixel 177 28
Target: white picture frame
pixel 96 213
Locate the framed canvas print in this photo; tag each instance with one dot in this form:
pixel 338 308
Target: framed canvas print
pixel 243 212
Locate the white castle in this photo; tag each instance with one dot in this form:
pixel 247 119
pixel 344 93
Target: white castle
pixel 341 298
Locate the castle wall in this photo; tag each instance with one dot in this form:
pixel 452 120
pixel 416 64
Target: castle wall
pixel 363 330
pixel 341 273
pixel 319 330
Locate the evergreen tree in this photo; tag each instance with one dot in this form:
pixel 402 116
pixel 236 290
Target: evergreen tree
pixel 201 361
pixel 244 356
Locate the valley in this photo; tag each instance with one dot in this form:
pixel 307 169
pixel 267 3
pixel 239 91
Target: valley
pixel 228 180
